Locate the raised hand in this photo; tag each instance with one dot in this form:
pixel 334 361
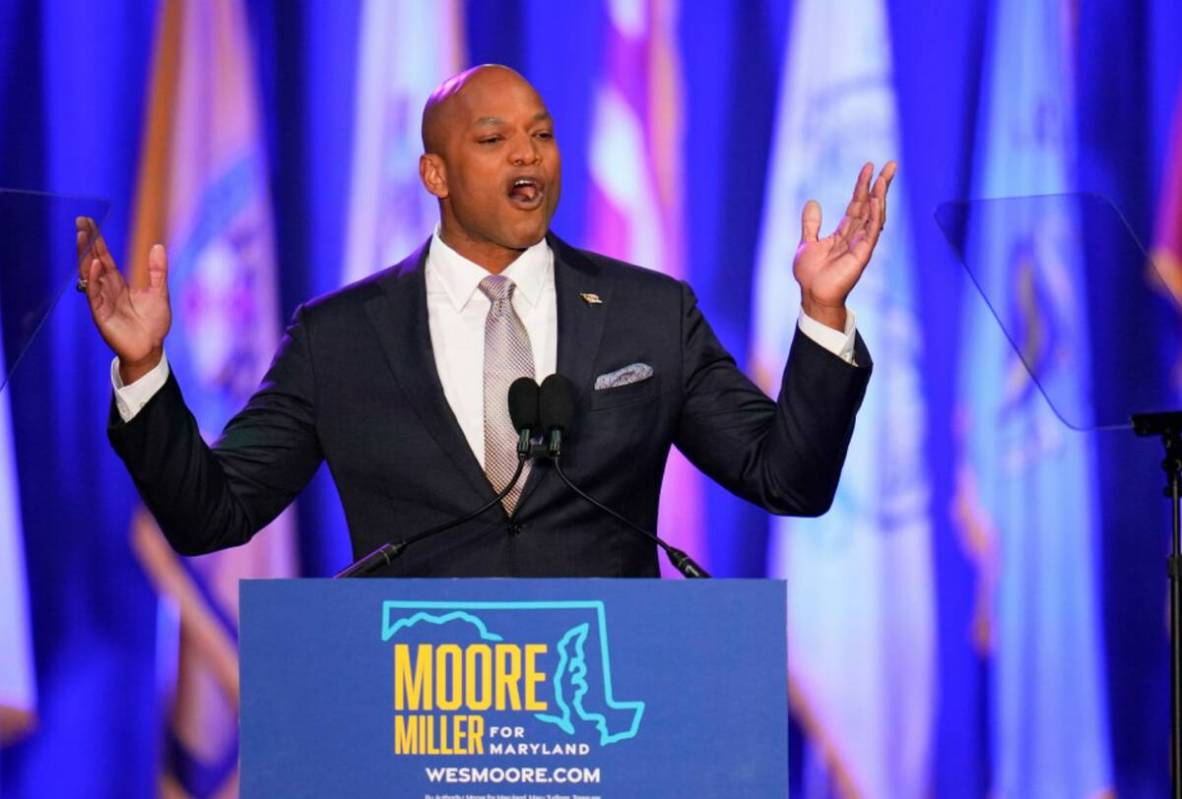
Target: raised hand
pixel 828 268
pixel 133 321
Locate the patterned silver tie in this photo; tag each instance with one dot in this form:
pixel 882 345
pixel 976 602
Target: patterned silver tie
pixel 507 356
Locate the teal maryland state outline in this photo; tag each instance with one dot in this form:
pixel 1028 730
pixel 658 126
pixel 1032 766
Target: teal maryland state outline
pixel 571 664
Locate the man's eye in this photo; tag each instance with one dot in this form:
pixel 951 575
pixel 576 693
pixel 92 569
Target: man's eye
pixel 489 140
pixel 544 134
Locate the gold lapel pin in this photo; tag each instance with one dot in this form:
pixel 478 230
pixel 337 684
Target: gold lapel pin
pixel 591 299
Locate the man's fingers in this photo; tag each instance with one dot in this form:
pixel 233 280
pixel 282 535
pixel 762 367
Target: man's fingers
pixel 108 279
pixel 83 261
pixel 98 244
pixel 158 268
pixel 848 232
pixel 83 242
pixel 91 241
pixel 850 224
pixel 843 227
pixel 100 248
pixel 863 242
pixel 862 190
pixel 94 292
pixel 862 185
pixel 810 221
pixel 882 186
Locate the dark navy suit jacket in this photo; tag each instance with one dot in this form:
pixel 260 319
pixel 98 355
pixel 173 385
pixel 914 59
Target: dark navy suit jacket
pixel 355 383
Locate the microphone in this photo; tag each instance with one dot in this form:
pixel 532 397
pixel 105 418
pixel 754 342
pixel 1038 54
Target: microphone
pixel 556 411
pixel 523 410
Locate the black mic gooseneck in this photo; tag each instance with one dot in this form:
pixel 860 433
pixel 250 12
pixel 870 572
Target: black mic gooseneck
pixel 680 560
pixel 550 411
pixel 386 553
pixel 556 410
pixel 523 410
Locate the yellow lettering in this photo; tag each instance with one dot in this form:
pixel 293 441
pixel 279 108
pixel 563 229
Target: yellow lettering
pixel 412 689
pixel 421 734
pixel 508 675
pixel 475 734
pixel 448 675
pixel 533 676
pixel 478 677
pixel 406 735
pixel 428 723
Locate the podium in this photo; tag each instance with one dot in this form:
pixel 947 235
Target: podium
pixel 490 688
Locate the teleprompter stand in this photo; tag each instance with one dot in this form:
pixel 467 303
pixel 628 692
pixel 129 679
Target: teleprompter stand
pixel 1168 427
pixel 1033 261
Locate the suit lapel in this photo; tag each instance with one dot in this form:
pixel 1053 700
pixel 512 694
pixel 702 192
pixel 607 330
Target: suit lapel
pixel 399 319
pixel 580 324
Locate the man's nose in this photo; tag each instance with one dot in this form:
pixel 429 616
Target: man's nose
pixel 524 150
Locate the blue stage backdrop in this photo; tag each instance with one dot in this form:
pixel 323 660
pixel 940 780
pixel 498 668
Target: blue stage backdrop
pixel 723 112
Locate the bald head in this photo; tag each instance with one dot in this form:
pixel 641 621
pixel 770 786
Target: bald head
pixel 448 107
pixel 491 159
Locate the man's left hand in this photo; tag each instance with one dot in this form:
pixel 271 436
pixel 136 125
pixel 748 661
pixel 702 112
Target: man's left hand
pixel 827 269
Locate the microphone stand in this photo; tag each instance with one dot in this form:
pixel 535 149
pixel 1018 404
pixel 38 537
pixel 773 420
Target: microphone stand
pixel 1169 427
pixel 556 410
pixel 531 408
pixel 385 554
pixel 680 560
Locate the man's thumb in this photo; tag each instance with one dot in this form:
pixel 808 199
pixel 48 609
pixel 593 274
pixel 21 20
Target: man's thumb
pixel 158 267
pixel 810 221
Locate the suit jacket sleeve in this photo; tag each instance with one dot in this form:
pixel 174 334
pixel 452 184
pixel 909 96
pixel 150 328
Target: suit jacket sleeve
pixel 209 498
pixel 787 455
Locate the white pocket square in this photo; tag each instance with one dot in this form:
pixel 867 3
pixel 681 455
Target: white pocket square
pixel 632 373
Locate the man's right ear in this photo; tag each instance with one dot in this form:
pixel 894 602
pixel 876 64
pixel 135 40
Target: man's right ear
pixel 433 173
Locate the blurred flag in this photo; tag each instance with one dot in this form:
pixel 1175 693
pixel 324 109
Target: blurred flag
pixel 635 204
pixel 1167 245
pixel 1167 241
pixel 18 689
pixel 861 626
pixel 1025 479
pixel 203 192
pixel 406 50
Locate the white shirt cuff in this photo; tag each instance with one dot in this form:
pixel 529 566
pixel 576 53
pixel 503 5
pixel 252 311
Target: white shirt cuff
pixel 840 343
pixel 130 399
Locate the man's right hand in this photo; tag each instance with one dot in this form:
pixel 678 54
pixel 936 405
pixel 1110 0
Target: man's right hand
pixel 133 321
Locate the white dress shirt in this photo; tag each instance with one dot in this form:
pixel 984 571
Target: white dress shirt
pixel 456 309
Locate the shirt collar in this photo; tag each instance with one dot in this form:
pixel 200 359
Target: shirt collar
pixel 461 277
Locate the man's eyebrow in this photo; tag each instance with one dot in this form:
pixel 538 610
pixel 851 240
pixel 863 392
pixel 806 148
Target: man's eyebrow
pixel 486 122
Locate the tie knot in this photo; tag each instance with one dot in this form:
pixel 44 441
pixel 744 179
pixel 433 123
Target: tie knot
pixel 497 288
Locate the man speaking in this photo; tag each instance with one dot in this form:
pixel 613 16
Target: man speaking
pixel 400 382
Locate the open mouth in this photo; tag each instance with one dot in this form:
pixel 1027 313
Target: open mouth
pixel 526 193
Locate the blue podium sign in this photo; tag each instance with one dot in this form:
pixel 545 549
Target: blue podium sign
pixel 514 689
